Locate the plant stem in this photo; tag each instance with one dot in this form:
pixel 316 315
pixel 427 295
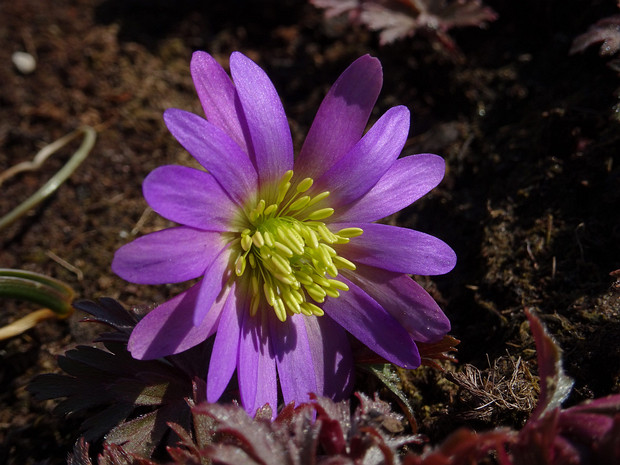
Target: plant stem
pixel 61 176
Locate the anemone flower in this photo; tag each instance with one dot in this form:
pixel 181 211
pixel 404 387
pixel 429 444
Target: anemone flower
pixel 291 259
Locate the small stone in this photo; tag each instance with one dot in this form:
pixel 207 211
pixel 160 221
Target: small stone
pixel 24 62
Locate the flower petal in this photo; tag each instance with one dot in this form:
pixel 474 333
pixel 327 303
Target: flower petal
pixel 407 180
pixel 168 328
pixel 267 123
pixel 226 346
pixel 397 249
pixel 213 284
pixel 218 97
pixel 405 300
pixel 368 160
pixel 217 152
pixel 331 357
pixel 256 365
pixel 293 358
pixel 342 117
pixel 190 197
pixel 171 255
pixel 365 319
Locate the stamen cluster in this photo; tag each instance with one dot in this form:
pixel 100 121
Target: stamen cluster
pixel 290 254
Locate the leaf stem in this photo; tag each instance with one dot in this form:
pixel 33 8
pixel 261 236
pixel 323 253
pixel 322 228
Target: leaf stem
pixel 61 175
pixel 50 293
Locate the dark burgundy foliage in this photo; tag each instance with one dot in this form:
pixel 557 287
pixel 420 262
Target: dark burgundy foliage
pixel 587 434
pixel 397 19
pixel 149 403
pixel 321 432
pixel 318 433
pixel 112 455
pixel 130 400
pixel 605 31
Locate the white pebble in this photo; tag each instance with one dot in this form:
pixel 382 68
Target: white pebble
pixel 24 62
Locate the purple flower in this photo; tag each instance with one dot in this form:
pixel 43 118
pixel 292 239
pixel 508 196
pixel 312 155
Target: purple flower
pixel 289 254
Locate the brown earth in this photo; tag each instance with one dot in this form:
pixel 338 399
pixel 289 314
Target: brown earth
pixel 530 201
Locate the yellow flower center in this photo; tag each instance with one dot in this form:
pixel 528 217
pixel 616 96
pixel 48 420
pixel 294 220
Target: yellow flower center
pixel 286 250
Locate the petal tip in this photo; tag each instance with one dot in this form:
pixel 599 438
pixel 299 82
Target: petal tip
pixel 136 347
pixel 370 62
pixel 238 58
pixel 199 56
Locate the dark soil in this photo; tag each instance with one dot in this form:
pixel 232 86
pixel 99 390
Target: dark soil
pixel 530 201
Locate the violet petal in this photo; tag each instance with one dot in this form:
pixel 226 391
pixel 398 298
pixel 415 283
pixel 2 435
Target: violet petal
pixel 190 197
pixel 405 300
pixel 407 180
pixel 171 255
pixel 216 151
pixel 213 284
pixel 331 356
pixel 168 328
pixel 365 319
pixel 293 358
pixel 341 118
pixel 267 123
pixel 368 160
pixel 218 96
pixel 397 249
pixel 226 346
pixel 256 365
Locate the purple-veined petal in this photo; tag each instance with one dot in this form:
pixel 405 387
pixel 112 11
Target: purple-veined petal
pixel 368 160
pixel 171 255
pixel 405 300
pixel 218 97
pixel 342 117
pixel 226 346
pixel 294 359
pixel 190 197
pixel 256 365
pixel 407 180
pixel 397 249
pixel 213 283
pixel 216 151
pixel 168 328
pixel 331 357
pixel 267 124
pixel 365 319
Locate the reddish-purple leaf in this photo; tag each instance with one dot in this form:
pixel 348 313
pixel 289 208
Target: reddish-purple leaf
pixel 555 386
pixel 606 30
pixel 397 19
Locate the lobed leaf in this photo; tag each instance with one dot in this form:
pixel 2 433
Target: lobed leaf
pixel 129 400
pixel 398 19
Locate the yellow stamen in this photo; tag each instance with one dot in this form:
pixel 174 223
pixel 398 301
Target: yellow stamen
pixel 332 292
pixel 240 265
pixel 300 203
pixel 288 247
pixel 304 185
pixel 317 198
pixel 338 285
pixel 350 232
pixel 246 242
pixel 320 214
pixel 258 240
pixel 268 237
pixel 282 248
pixel 342 262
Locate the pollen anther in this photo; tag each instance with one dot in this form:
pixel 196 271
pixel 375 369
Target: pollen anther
pixel 290 251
